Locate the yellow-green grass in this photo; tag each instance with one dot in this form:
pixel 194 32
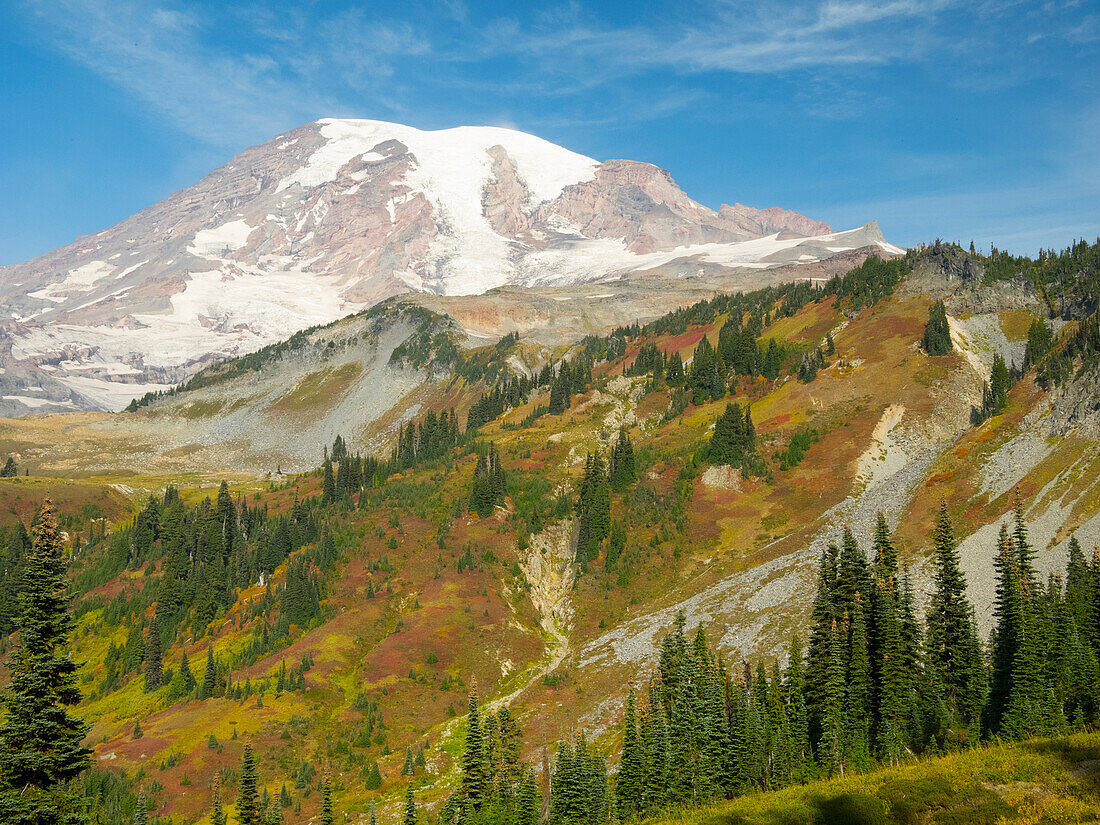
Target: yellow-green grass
pixel 1039 781
pixel 79 499
pixel 318 391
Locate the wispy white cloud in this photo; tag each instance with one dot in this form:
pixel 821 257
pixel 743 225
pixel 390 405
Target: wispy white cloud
pixel 299 63
pixel 170 60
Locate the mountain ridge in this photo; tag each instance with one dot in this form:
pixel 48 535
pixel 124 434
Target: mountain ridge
pixel 337 215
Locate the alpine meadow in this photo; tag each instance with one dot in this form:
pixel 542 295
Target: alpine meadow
pixel 439 474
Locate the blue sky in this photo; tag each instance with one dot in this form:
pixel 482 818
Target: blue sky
pixel 939 119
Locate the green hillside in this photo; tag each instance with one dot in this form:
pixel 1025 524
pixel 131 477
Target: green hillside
pixel 534 534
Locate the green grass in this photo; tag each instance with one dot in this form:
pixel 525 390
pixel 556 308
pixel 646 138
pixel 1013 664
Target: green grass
pixel 1040 781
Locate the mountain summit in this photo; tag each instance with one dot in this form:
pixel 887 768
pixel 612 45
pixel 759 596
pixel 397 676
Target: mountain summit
pixel 338 215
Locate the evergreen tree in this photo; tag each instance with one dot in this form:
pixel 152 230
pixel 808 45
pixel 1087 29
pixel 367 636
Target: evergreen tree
pixel 475 766
pixel 141 811
pixel 154 675
pixel 328 487
pixel 886 555
pixel 655 748
pixel 248 808
pixel 822 618
pixel 410 816
pixel 593 510
pixel 952 643
pixel 937 333
pixel 830 746
pixel 628 783
pixel 893 681
pixel 798 722
pixel 210 675
pixel 327 817
pixel 40 742
pixel 859 690
pixel 1006 632
pixel 217 814
pixel 734 437
pixel 622 472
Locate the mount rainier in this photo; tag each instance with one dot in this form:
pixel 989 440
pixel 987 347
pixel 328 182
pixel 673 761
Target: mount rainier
pixel 338 215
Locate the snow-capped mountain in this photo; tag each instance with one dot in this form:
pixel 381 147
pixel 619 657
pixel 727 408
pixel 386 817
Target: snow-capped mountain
pixel 337 215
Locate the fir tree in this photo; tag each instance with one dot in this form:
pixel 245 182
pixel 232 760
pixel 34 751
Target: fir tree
pixel 937 333
pixel 952 643
pixel 830 745
pixel 475 766
pixel 328 487
pixel 798 723
pixel 153 665
pixel 410 816
pixel 892 679
pixel 628 783
pixel 1006 632
pixel 210 675
pixel 247 807
pixel 734 437
pixel 217 814
pixel 886 555
pixel 40 742
pixel 655 748
pixel 327 817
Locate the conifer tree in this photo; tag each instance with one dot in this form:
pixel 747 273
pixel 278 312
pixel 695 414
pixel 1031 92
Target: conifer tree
pixel 852 574
pixel 528 806
pixel 153 664
pixel 141 810
pixel 210 675
pixel 798 722
pixel 819 656
pixel 1006 632
pixel 628 783
pixel 886 555
pixel 859 690
pixel 40 742
pixel 327 817
pixel 328 487
pixel 622 472
pixel 475 767
pixel 893 681
pixel 734 437
pixel 654 739
pixel 410 816
pixel 937 333
pixel 247 807
pixel 217 814
pixel 830 745
pixel 952 642
pixel 1078 585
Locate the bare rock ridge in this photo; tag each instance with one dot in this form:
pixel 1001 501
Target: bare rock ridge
pixel 337 215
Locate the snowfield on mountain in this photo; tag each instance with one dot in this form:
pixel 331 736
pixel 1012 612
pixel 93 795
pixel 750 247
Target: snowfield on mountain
pixel 337 215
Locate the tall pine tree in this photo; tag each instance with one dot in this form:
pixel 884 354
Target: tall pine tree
pixel 40 741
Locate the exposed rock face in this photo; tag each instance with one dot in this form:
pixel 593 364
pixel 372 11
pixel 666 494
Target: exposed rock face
pixel 760 222
pixel 338 215
pixel 959 279
pixel 1076 406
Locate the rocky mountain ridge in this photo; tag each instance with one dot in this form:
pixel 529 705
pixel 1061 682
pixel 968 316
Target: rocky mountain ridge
pixel 337 215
